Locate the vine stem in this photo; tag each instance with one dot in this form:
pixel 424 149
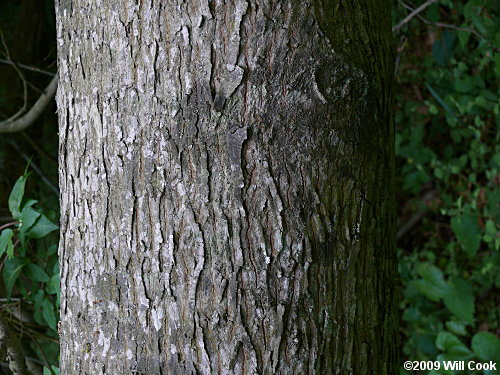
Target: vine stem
pixel 12 223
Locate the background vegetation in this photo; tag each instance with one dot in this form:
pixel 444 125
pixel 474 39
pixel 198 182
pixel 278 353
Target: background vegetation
pixel 448 158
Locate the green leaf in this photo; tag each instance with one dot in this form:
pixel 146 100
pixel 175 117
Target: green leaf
pixel 6 241
pixel 463 37
pixel 53 287
pixel 16 196
pixel 486 346
pixel 490 228
pixel 37 306
pixel 10 250
pixel 440 100
pixel 55 371
pixel 460 300
pixel 52 250
pixel 48 313
pixel 446 341
pixel 36 273
pixel 452 347
pixel 432 285
pixel 29 203
pixel 38 297
pixel 478 22
pixel 11 270
pixel 41 228
pixel 55 269
pixel 457 328
pixel 442 49
pixel 28 218
pixel 468 232
pixel 438 172
pixel 470 8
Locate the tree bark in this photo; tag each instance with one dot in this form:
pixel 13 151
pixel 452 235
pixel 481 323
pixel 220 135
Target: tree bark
pixel 226 187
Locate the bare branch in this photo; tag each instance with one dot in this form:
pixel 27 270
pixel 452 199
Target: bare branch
pixel 27 67
pixel 413 14
pixel 26 120
pixel 448 26
pixel 21 76
pixel 441 24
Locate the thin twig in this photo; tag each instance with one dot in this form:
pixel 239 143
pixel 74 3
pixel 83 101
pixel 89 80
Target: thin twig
pixel 27 67
pixel 33 165
pixel 8 225
pixel 25 86
pixel 412 14
pixel 441 24
pixel 31 326
pixel 399 50
pixel 45 359
pixel 34 87
pixel 38 149
pixel 406 6
pixel 448 26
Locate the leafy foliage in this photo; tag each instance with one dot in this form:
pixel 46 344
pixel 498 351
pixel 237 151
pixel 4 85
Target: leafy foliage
pixel 30 272
pixel 448 144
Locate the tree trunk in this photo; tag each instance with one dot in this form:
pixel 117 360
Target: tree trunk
pixel 226 187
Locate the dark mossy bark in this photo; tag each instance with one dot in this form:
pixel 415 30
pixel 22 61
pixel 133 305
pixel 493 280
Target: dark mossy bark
pixel 227 199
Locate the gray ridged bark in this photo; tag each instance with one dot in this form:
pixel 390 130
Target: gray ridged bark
pixel 226 187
